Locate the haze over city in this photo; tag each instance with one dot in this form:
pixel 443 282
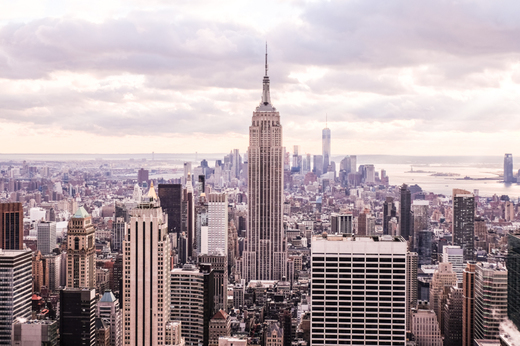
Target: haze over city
pixel 400 77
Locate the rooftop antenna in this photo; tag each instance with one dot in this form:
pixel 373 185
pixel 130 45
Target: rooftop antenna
pixel 266 58
pixel 326 121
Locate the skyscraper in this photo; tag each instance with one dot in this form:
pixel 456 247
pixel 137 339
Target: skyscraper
pixel 389 211
pixel 508 168
pixel 46 236
pixel 490 299
pixel 468 304
pixel 192 301
pixel 15 292
pixel 513 280
pixel 356 282
pixel 171 203
pixel 146 301
pixel 81 247
pixel 463 222
pixel 266 256
pixel 11 226
pixel 108 310
pixel 325 148
pixel 405 212
pixel 216 239
pixel 78 316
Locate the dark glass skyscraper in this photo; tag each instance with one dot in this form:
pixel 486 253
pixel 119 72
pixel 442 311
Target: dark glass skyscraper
pixel 463 222
pixel 170 196
pixel 78 316
pixel 11 226
pixel 513 279
pixel 405 212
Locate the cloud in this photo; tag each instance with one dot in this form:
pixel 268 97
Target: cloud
pixel 423 68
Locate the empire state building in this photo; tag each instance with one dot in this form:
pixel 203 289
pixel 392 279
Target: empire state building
pixel 266 256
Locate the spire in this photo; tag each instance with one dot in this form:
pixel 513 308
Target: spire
pixel 266 68
pixel 151 193
pixel 266 105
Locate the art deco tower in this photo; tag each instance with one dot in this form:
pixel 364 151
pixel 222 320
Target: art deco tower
pixel 81 247
pixel 265 258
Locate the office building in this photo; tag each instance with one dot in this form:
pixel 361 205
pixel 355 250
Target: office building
pixel 108 310
pixel 454 255
pixel 424 246
pixel 81 248
pixel 188 215
pixel 317 165
pixel 16 290
pixel 420 220
pixel 468 304
pixel 425 327
pixel 78 316
pixel 35 333
pixel 405 222
pixel 171 203
pixel 463 222
pixel 142 177
pixel 266 256
pixel 453 317
pixel 513 279
pixel 146 304
pixel 325 148
pixel 219 326
pixel 214 238
pixel 490 299
pixel 118 234
pixel 46 235
pixel 11 226
pixel 341 223
pixel 370 172
pixel 51 268
pixel 236 164
pixel 219 267
pixel 102 332
pixel 389 212
pixel 443 278
pixel 192 301
pixel 356 282
pixel 411 282
pixel 508 168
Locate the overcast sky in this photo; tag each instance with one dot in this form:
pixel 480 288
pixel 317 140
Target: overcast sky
pixel 394 77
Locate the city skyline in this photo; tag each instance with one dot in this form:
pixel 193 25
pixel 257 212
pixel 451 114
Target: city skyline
pixel 155 77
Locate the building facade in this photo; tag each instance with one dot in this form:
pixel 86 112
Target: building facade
pixel 490 299
pixel 16 290
pixel 513 279
pixel 11 226
pixel 78 316
pixel 46 236
pixel 358 290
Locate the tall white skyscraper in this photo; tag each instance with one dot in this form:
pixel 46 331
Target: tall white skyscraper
pixel 146 300
pixel 214 237
pixel 325 148
pixel 266 256
pixel 359 290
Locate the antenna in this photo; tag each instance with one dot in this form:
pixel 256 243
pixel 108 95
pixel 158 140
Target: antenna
pixel 326 120
pixel 266 58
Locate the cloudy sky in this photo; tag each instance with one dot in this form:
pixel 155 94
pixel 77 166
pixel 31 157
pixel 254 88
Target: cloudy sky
pixel 393 77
